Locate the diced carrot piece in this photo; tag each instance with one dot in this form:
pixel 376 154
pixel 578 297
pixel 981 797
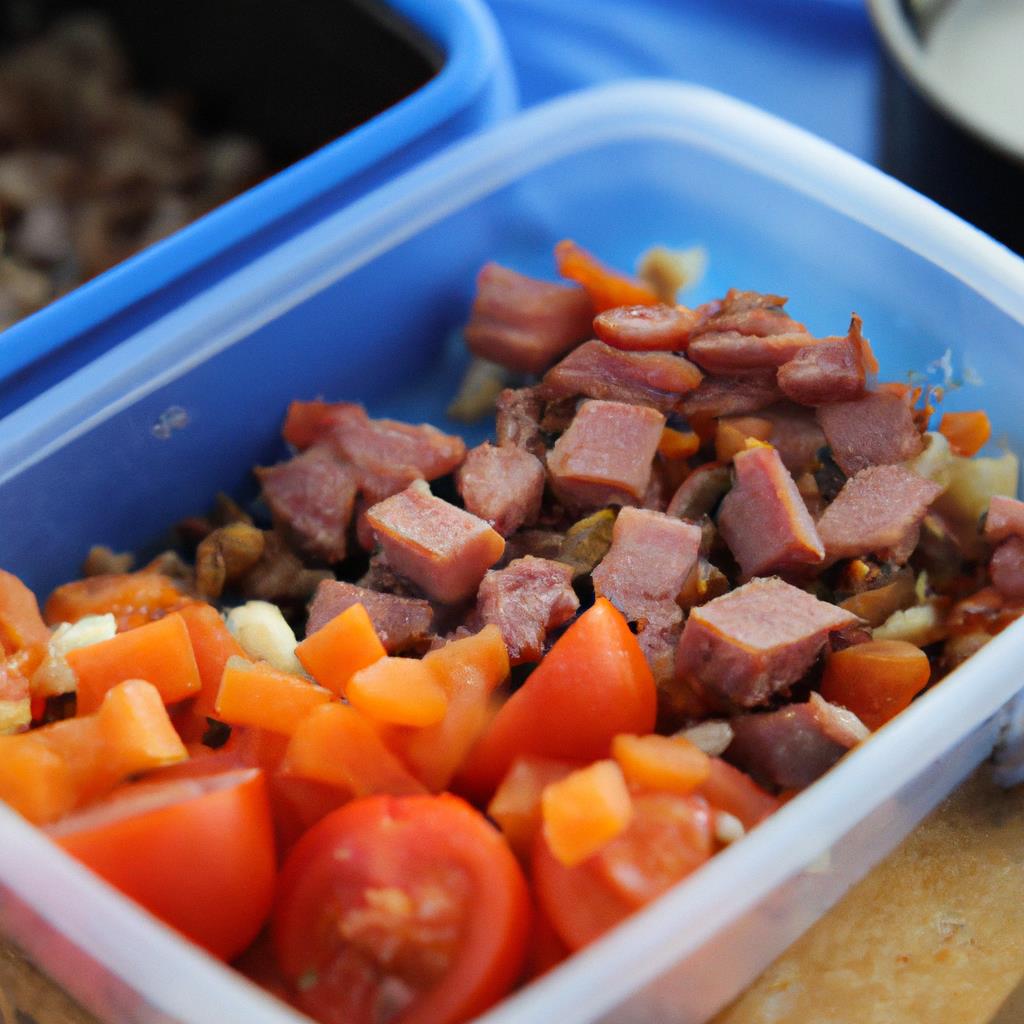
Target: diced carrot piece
pixel 670 763
pixel 304 422
pixel 132 598
pixel 729 789
pixel 732 435
pixel 159 652
pixel 585 811
pixel 340 648
pixel 966 432
pixel 516 806
pixel 336 745
pixel 875 680
pixel 253 693
pixel 212 644
pixel 402 691
pixel 50 771
pixel 20 621
pixel 678 444
pixel 607 288
pixel 468 670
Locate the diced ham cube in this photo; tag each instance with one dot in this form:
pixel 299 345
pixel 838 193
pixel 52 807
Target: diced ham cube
pixel 1007 568
pixel 443 549
pixel 311 497
pixel 732 396
pixel 751 313
pixel 646 328
pixel 1005 519
pixel 402 623
pixel 877 430
pixel 831 371
pixel 744 647
pixel 763 518
pixel 792 747
pixel 523 323
pixel 525 600
pixel 605 456
pixel 597 370
pixel 878 512
pixel 504 486
pixel 646 568
pixel 731 352
pixel 519 413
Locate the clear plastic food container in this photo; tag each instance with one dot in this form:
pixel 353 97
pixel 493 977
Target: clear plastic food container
pixel 363 305
pixel 285 75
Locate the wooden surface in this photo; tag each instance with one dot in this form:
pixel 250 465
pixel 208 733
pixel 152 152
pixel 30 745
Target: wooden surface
pixel 934 934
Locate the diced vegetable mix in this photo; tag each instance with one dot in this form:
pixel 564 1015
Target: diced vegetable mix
pixel 706 556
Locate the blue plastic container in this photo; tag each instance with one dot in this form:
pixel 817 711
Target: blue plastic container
pixel 473 88
pixel 363 306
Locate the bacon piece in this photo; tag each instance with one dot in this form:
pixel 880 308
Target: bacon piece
pixel 831 371
pixel 504 486
pixel 443 549
pixel 732 352
pixel 876 430
pixel 1007 568
pixel 763 519
pixel 525 600
pixel 878 512
pixel 646 328
pixel 597 370
pixel 605 456
pixel 732 396
pixel 311 498
pixel 523 323
pixel 519 412
pixel 402 623
pixel 1005 518
pixel 792 747
pixel 745 646
pixel 750 313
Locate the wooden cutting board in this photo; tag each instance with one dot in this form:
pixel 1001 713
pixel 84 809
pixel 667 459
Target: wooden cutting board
pixel 934 934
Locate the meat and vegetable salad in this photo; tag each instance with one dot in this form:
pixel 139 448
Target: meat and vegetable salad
pixel 541 680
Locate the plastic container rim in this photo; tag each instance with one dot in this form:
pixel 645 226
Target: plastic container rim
pixel 466 35
pixel 871 775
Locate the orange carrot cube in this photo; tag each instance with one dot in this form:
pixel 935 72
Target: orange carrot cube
pixel 669 763
pixel 402 691
pixel 253 693
pixel 340 648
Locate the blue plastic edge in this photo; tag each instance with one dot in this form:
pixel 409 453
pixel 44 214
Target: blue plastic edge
pixel 475 77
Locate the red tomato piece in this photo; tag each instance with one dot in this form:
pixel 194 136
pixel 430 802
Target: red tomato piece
pixel 198 853
pixel 407 909
pixel 592 685
pixel 669 837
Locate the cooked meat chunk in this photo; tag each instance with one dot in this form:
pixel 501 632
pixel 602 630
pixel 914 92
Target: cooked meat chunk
pixel 1007 568
pixel 502 485
pixel 1005 519
pixel 519 413
pixel 525 600
pixel 523 323
pixel 443 549
pixel 792 747
pixel 878 512
pixel 402 623
pixel 605 456
pixel 877 430
pixel 763 519
pixel 751 313
pixel 597 370
pixel 746 646
pixel 831 371
pixel 731 352
pixel 311 498
pixel 732 396
pixel 646 328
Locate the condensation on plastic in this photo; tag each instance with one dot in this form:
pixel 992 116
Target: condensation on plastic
pixel 473 88
pixel 363 306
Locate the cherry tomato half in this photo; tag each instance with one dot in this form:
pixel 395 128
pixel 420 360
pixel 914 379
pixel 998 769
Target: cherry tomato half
pixel 407 909
pixel 198 853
